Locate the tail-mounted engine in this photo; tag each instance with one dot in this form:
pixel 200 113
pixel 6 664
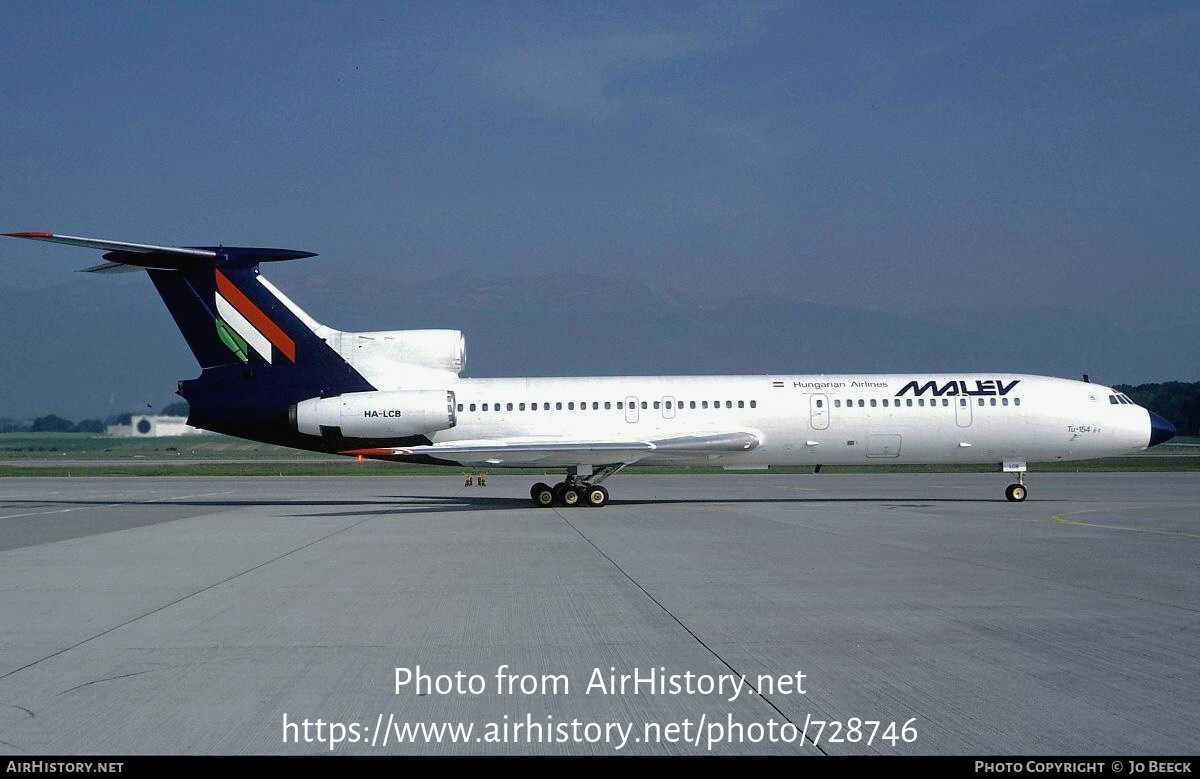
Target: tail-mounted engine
pixel 385 414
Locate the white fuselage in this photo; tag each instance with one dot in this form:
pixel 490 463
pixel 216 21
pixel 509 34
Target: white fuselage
pixel 398 395
pixel 816 419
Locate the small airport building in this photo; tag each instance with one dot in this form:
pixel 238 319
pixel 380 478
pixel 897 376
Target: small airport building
pixel 146 426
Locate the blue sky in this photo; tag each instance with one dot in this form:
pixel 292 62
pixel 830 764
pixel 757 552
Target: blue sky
pixel 891 155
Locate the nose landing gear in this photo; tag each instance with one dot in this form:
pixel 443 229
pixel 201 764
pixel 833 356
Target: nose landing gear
pixel 1016 492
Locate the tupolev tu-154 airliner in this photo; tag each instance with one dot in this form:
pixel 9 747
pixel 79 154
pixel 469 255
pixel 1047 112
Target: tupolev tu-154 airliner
pixel 272 373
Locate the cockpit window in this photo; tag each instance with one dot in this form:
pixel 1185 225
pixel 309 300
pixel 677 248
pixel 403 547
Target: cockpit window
pixel 1113 399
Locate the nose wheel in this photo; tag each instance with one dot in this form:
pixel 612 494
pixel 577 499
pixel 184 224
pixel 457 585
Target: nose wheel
pixel 1016 492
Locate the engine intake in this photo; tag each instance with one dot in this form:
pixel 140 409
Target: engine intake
pixel 387 414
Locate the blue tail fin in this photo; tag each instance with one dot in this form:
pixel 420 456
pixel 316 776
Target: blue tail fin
pixel 259 357
pixel 259 353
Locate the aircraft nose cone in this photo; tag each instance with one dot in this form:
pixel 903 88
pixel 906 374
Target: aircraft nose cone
pixel 1160 429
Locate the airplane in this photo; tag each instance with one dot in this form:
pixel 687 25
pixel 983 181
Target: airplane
pixel 272 373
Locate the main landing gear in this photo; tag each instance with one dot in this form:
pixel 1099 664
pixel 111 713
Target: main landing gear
pixel 576 490
pixel 1016 492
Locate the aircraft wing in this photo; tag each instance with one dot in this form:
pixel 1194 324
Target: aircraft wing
pixel 561 451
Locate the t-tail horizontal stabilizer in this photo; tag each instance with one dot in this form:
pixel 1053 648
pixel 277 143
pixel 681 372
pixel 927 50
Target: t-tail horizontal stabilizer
pixel 151 257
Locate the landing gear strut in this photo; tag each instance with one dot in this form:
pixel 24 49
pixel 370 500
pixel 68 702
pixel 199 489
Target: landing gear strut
pixel 1016 492
pixel 575 490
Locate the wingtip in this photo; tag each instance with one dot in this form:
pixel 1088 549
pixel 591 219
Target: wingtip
pixel 28 234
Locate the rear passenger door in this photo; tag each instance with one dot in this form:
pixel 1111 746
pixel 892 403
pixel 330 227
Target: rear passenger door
pixel 818 411
pixel 631 409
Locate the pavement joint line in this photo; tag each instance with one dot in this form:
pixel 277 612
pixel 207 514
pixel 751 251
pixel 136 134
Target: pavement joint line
pixel 111 505
pixel 179 600
pixel 683 625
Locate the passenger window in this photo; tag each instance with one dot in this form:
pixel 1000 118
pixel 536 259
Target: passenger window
pixel 861 403
pixel 1004 402
pixel 485 406
pixel 921 401
pixel 558 406
pixel 620 405
pixel 820 403
pixel 668 404
pixel 754 404
pixel 522 406
pixel 692 404
pixel 945 402
pixel 885 402
pixel 472 406
pixel 993 401
pixel 571 406
pixel 595 405
pixel 741 404
pixel 657 404
pixel 509 406
pixel 981 401
pixel 607 405
pixel 873 404
pixel 1016 401
pixel 643 405
pixel 837 404
pixel 704 404
pixel 908 402
pixel 962 401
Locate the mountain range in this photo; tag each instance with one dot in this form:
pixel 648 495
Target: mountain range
pixel 94 347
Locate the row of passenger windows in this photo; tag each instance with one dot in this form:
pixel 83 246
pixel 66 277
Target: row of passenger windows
pixel 909 402
pixel 607 405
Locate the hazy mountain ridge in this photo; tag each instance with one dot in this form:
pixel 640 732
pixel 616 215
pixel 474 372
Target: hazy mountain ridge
pixel 93 347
